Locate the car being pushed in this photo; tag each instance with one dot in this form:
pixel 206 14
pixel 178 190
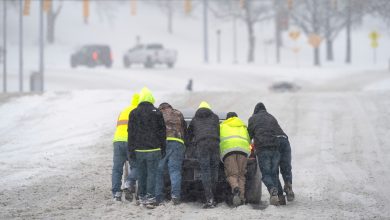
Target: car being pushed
pixel 92 56
pixel 192 187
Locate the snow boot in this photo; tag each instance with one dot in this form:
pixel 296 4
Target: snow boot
pixel 236 197
pixel 118 196
pixel 273 199
pixel 209 204
pixel 289 192
pixel 282 200
pixel 175 200
pixel 128 195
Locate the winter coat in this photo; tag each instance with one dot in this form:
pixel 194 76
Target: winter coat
pixel 176 126
pixel 123 120
pixel 234 138
pixel 146 126
pixel 204 126
pixel 264 129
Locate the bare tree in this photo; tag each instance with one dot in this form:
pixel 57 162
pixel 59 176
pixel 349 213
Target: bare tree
pixel 52 16
pixel 310 16
pixel 250 12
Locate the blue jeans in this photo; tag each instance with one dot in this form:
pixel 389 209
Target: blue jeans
pixel 132 178
pixel 268 159
pixel 208 157
pixel 147 163
pixel 174 160
pixel 119 159
pixel 285 163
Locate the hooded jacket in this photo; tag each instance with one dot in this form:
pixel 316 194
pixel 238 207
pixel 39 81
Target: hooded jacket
pixel 146 126
pixel 234 138
pixel 204 126
pixel 123 120
pixel 263 128
pixel 176 127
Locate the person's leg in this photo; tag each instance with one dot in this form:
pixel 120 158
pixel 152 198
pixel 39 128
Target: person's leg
pixel 231 171
pixel 285 168
pixel 174 165
pixel 204 163
pixel 162 165
pixel 132 175
pixel 117 169
pixel 142 173
pixel 265 158
pixel 153 159
pixel 241 162
pixel 214 165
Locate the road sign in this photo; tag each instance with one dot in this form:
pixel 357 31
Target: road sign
pixel 315 40
pixel 294 35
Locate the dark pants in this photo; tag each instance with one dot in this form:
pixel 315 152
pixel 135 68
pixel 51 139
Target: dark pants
pixel 269 164
pixel 208 157
pixel 174 160
pixel 119 159
pixel 147 163
pixel 285 163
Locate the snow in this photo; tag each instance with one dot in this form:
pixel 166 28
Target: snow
pixel 56 147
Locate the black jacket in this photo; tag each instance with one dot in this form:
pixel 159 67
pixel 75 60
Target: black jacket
pixel 264 128
pixel 204 126
pixel 146 128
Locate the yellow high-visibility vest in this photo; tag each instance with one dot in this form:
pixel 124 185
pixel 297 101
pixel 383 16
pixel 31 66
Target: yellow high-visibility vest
pixel 233 137
pixel 123 120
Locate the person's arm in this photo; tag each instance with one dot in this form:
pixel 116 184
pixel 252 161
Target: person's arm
pixel 190 133
pixel 161 132
pixel 251 128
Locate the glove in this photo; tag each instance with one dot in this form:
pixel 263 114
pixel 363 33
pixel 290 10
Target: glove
pixel 131 156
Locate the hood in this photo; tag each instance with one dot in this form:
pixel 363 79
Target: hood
pixel 164 105
pixel 234 122
pixel 204 104
pixel 203 113
pixel 259 107
pixel 146 96
pixel 135 100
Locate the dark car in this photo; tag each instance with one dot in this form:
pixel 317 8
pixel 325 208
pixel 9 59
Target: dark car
pixel 192 188
pixel 91 56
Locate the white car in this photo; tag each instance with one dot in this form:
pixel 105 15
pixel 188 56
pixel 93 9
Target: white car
pixel 149 55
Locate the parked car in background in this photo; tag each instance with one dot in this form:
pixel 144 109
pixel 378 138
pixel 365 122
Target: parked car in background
pixel 91 56
pixel 149 55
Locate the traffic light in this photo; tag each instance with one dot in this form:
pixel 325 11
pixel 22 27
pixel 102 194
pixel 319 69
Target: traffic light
pixel 86 10
pixel 290 4
pixel 26 9
pixel 187 6
pixel 46 5
pixel 242 3
pixel 133 7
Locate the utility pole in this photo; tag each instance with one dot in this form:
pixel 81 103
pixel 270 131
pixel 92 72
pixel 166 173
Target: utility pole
pixel 234 39
pixel 205 32
pixel 4 46
pixel 41 46
pixel 20 45
pixel 219 46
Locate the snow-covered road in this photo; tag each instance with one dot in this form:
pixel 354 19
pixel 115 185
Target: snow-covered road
pixel 56 150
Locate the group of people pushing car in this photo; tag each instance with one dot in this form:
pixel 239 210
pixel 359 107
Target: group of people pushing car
pixel 154 139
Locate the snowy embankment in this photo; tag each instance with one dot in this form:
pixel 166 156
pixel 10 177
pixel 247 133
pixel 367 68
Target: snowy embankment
pixel 56 150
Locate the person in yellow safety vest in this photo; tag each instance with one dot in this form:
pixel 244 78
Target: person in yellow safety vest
pixel 120 154
pixel 234 150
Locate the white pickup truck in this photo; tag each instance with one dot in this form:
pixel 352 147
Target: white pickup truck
pixel 149 55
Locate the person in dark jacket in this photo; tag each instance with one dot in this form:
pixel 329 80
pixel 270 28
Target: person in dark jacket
pixel 146 142
pixel 203 133
pixel 264 128
pixel 176 129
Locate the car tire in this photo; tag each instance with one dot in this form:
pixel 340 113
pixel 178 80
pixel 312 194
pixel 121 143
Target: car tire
pixel 108 65
pixel 73 63
pixel 170 65
pixel 126 62
pixel 253 184
pixel 149 63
